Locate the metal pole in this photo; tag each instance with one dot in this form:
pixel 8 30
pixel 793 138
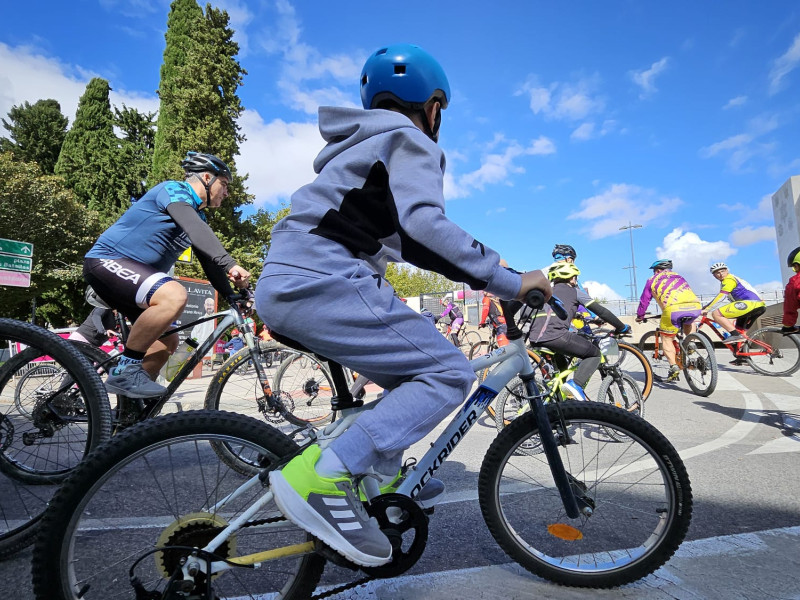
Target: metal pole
pixel 630 229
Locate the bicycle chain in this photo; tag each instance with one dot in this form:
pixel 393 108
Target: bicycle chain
pixel 342 588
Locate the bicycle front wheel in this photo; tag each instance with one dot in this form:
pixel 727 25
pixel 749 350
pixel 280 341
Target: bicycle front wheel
pixel 699 364
pixel 769 352
pixel 624 394
pixel 512 402
pixel 156 492
pixel 633 362
pixel 309 385
pixel 635 493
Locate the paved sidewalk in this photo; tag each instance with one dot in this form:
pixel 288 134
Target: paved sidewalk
pixel 753 566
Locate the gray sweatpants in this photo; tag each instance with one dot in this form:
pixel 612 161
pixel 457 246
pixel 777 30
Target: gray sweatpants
pixel 356 320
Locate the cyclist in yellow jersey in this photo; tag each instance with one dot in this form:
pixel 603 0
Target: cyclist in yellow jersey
pixel 677 301
pixel 743 307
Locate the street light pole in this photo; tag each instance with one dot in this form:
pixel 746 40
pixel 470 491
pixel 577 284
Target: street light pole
pixel 630 229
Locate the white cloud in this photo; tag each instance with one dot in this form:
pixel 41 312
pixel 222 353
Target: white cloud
pixel 302 63
pixel 601 291
pixel 734 102
pixel 621 203
pixel 588 131
pixel 691 257
pixel 769 286
pixel 496 167
pixel 750 235
pixel 278 156
pixel 26 75
pixel 645 79
pixel 784 65
pixel 567 101
pixel 742 147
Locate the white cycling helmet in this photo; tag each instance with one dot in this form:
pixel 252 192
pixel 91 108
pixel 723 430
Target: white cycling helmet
pixel 718 266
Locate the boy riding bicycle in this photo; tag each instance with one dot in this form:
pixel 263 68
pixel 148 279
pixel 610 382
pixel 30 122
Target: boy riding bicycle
pixel 377 197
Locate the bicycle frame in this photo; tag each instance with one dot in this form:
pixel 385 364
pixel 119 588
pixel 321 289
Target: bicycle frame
pixel 737 348
pixel 511 360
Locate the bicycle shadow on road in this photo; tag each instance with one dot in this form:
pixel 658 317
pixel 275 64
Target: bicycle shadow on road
pixel 788 423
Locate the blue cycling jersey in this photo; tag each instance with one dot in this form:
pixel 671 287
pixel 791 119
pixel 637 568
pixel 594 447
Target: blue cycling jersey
pixel 146 233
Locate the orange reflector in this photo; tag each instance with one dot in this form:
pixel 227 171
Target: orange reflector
pixel 564 532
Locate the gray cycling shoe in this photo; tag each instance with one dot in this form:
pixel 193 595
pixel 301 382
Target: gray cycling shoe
pixel 133 382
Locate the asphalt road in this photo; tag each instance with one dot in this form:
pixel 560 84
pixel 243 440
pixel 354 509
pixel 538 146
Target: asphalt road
pixel 740 446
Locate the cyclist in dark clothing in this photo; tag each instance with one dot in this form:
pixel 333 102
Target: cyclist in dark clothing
pixel 553 333
pixel 97 328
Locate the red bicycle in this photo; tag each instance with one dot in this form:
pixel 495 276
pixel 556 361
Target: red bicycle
pixel 767 350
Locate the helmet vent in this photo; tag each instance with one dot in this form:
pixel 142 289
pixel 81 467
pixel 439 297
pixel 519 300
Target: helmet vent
pixel 364 79
pixel 399 69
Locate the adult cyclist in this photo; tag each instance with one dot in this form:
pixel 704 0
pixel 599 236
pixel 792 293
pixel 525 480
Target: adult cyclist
pixel 127 267
pixel 452 312
pixel 677 302
pixel 744 304
pixel 553 333
pixel 791 295
pixel 492 316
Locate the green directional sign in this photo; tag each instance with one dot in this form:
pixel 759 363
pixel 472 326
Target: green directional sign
pixel 16 263
pixel 16 248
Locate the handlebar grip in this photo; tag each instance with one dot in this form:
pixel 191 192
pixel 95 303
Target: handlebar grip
pixel 534 299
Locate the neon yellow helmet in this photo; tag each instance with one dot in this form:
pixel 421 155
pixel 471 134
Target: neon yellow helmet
pixel 563 271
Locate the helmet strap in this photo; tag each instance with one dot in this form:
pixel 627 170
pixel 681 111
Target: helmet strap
pixel 207 186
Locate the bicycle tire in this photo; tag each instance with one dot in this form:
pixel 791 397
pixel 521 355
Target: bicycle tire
pixel 470 337
pixel 786 349
pixel 625 395
pixel 235 388
pixel 38 376
pixel 510 403
pixel 659 364
pixel 176 476
pixel 23 498
pixel 634 362
pixel 642 491
pixel 699 364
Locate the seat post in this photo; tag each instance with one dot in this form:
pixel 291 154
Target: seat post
pixel 342 398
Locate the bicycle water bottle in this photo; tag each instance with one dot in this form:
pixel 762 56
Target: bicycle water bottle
pixel 725 335
pixel 179 358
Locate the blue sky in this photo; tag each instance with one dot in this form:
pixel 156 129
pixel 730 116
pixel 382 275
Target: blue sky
pixel 567 120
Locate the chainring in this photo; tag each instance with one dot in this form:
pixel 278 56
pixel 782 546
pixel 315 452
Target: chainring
pixel 195 530
pixel 406 525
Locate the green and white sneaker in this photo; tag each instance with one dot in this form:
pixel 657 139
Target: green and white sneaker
pixel 329 509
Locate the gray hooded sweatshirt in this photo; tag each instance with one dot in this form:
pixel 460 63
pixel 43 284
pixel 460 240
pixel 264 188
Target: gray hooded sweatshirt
pixel 378 198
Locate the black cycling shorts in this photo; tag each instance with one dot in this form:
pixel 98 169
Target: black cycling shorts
pixel 124 284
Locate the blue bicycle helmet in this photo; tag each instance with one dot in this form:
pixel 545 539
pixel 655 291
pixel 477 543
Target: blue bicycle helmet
pixel 404 73
pixel 662 263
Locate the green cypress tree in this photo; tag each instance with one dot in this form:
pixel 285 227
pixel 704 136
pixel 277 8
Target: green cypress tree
pixel 136 148
pixel 90 160
pixel 36 133
pixel 185 18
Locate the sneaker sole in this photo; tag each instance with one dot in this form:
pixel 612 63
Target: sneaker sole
pixel 298 511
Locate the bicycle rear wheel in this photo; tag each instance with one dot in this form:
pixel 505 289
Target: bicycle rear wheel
pixel 769 352
pixel 512 402
pixel 638 490
pixel 309 384
pixel 699 364
pixel 48 421
pixel 159 485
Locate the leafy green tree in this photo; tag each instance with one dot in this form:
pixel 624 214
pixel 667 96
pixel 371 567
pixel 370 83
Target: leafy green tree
pixel 136 148
pixel 36 133
pixel 37 208
pixel 412 281
pixel 199 107
pixel 90 157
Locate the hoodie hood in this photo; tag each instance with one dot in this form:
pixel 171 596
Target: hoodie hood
pixel 343 128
